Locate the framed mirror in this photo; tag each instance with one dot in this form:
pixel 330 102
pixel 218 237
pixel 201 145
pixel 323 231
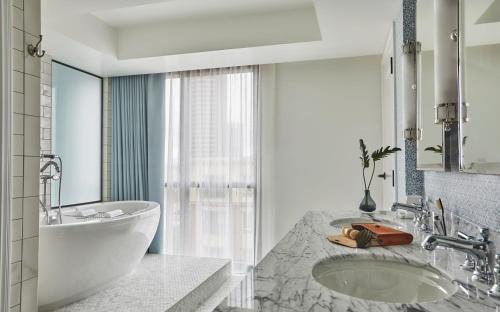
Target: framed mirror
pixel 480 86
pixel 430 134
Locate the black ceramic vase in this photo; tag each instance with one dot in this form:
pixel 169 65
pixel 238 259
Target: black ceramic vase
pixel 367 204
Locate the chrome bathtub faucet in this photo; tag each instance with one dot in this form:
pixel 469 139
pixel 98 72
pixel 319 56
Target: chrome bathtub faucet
pixel 422 215
pixel 481 250
pixel 45 178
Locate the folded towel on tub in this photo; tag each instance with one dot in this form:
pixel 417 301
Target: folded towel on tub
pixel 84 212
pixel 113 213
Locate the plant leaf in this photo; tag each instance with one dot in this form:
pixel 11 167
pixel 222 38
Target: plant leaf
pixel 384 152
pixel 365 158
pixel 437 149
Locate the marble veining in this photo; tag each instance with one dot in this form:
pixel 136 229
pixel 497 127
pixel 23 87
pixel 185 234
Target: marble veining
pixel 283 280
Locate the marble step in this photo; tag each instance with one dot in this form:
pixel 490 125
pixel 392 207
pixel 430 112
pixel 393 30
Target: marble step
pixel 161 283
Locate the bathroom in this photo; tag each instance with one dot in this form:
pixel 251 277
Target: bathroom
pixel 236 155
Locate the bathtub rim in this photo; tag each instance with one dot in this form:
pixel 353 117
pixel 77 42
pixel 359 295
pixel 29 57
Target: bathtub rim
pixel 152 209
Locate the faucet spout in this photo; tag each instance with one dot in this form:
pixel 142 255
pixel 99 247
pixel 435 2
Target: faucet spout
pixel 481 250
pixel 410 208
pixel 477 249
pixel 50 163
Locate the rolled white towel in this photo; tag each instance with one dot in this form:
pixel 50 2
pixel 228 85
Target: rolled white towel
pixel 85 212
pixel 113 213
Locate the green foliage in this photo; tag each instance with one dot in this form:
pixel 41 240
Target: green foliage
pixel 384 152
pixel 375 156
pixel 437 149
pixel 365 158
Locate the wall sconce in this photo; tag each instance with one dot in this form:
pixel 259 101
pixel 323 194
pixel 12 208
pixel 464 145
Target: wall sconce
pixel 447 108
pixel 410 51
pixel 446 59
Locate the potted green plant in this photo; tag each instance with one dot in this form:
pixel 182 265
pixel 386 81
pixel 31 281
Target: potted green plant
pixel 368 204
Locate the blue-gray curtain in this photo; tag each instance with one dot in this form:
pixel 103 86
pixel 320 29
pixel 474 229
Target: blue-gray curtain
pixel 138 143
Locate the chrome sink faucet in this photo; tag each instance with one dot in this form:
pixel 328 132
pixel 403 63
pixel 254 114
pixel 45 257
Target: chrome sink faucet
pixel 481 250
pixel 422 215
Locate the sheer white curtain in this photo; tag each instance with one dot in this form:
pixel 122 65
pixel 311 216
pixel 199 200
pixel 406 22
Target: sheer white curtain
pixel 212 160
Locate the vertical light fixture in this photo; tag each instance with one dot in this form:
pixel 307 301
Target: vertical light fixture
pixel 446 61
pixel 447 109
pixel 410 51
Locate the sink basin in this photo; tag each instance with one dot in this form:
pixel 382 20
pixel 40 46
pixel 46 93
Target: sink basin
pixel 388 280
pixel 346 222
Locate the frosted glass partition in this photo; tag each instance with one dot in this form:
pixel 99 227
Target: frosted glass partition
pixel 76 134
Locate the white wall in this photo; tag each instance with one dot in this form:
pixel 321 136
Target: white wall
pixel 310 139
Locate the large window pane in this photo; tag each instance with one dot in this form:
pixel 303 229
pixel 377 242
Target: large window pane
pixel 76 134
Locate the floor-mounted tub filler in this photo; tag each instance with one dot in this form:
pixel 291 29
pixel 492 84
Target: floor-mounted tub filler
pixel 95 245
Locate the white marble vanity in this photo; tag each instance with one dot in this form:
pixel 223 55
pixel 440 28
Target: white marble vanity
pixel 283 281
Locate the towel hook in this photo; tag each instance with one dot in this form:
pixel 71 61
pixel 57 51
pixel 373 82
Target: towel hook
pixel 35 50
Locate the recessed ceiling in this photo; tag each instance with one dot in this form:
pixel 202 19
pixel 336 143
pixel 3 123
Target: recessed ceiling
pixel 190 9
pixel 123 37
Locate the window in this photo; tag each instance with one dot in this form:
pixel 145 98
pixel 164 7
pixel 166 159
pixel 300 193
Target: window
pixel 211 164
pixel 76 134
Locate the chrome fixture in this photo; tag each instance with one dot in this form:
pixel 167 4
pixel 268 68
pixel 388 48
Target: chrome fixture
pixel 495 289
pixel 469 263
pixel 422 215
pixel 481 250
pixel 35 50
pixel 411 50
pixel 54 177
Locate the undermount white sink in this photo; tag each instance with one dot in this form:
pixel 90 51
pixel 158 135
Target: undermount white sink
pixel 346 222
pixel 385 280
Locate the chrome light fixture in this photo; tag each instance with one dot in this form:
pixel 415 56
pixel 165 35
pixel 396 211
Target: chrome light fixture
pixel 411 49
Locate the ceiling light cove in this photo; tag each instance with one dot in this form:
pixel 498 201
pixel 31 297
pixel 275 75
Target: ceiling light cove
pixel 116 37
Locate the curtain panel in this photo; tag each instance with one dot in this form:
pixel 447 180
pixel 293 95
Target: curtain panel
pixel 138 145
pixel 212 164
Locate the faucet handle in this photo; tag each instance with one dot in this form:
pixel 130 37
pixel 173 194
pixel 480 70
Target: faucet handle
pixel 469 263
pixel 485 234
pixel 495 289
pixel 463 235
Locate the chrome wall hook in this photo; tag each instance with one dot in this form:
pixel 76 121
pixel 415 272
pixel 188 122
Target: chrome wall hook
pixel 36 50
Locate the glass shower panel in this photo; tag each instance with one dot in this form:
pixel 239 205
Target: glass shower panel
pixel 76 134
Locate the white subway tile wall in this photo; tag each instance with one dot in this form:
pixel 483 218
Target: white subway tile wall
pixel 25 159
pixel 45 112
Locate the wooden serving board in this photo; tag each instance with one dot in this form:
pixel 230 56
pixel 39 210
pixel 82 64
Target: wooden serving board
pixel 346 241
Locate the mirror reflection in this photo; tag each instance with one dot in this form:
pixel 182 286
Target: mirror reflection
pixel 481 86
pixel 429 145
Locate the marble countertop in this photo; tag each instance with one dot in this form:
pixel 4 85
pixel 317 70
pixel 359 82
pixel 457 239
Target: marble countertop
pixel 283 282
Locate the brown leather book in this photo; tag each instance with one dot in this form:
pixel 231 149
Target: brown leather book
pixel 384 235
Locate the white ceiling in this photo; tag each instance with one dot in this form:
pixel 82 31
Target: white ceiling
pixel 122 37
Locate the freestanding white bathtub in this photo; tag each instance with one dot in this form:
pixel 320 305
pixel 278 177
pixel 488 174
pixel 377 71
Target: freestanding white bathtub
pixel 82 256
